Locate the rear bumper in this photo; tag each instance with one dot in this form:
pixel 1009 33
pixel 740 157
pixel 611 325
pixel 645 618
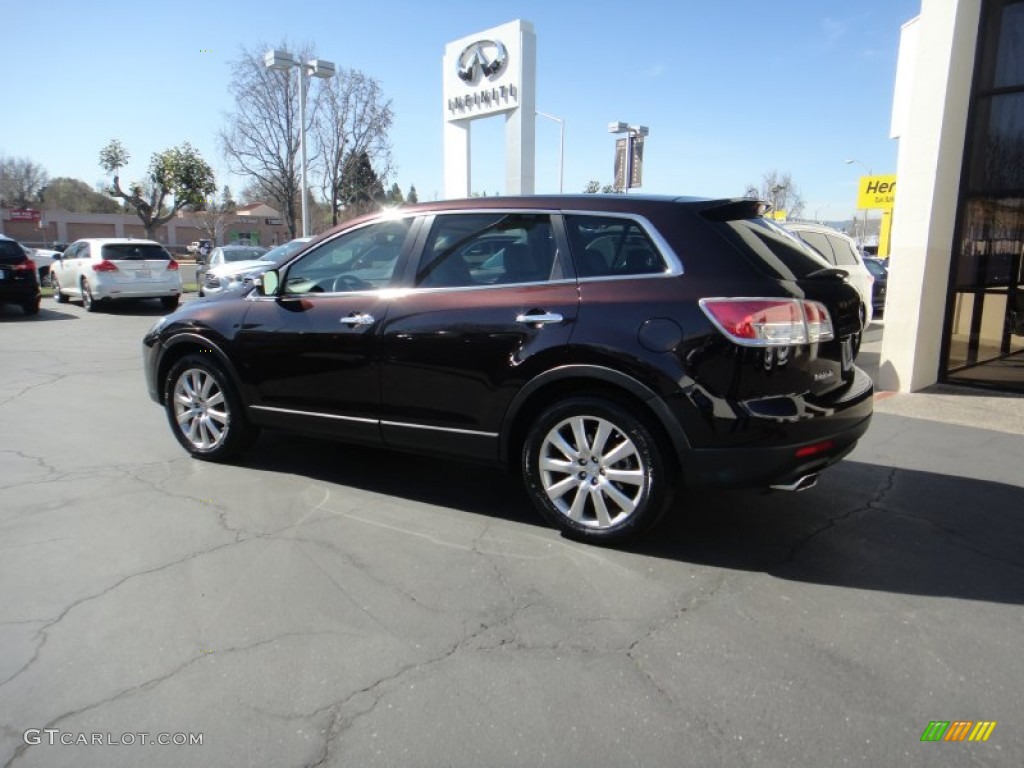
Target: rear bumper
pixel 783 460
pixel 128 290
pixel 19 293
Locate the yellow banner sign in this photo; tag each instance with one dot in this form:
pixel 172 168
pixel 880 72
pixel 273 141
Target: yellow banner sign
pixel 876 192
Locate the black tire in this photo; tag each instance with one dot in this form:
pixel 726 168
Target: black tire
pixel 580 493
pixel 169 303
pixel 58 294
pixel 87 300
pixel 219 436
pixel 31 307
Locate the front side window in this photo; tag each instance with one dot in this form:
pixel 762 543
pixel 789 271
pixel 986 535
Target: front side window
pixel 361 260
pixel 479 249
pixel 606 246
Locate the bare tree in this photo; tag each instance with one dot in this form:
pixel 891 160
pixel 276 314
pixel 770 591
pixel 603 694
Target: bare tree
pixel 262 137
pixel 353 119
pixel 21 182
pixel 215 214
pixel 779 190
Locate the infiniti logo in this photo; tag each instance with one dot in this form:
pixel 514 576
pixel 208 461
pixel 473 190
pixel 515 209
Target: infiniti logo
pixel 483 56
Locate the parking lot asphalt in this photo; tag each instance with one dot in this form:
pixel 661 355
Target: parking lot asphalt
pixel 319 604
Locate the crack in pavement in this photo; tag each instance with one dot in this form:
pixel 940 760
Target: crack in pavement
pixel 873 503
pixel 156 681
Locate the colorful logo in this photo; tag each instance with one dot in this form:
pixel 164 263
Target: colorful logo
pixel 958 730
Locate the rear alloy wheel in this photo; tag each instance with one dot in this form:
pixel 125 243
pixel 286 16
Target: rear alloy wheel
pixel 204 411
pixel 596 471
pixel 58 294
pixel 169 302
pixel 87 300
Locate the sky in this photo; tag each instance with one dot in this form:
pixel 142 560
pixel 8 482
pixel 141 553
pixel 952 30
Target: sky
pixel 731 89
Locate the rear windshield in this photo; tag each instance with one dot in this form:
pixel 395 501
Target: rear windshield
pixel 135 252
pixel 772 249
pixel 10 252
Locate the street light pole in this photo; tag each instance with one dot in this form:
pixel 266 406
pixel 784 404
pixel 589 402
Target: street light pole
pixel 561 146
pixel 283 61
pixel 864 231
pixel 632 132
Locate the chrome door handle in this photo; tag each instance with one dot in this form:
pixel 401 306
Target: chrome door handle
pixel 539 319
pixel 360 318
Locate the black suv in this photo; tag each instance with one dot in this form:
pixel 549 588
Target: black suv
pixel 608 348
pixel 19 281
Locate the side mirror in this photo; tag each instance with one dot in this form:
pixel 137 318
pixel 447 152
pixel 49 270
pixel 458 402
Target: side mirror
pixel 267 283
pixel 58 256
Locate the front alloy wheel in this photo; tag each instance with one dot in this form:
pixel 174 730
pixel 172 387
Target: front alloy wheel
pixel 204 412
pixel 595 471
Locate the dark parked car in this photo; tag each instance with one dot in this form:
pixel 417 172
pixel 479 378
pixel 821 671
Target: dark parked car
pixel 19 281
pixel 620 348
pixel 879 269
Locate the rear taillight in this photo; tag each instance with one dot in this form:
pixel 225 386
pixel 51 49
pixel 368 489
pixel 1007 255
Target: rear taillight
pixel 25 266
pixel 104 266
pixel 758 322
pixel 172 265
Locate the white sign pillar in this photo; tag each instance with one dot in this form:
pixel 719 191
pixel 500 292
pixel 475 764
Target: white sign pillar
pixel 485 74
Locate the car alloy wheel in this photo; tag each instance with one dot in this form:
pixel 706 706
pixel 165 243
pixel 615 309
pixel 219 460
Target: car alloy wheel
pixel 87 300
pixel 595 470
pixel 58 294
pixel 204 411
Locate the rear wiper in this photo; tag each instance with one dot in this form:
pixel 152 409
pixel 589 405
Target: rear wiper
pixel 827 272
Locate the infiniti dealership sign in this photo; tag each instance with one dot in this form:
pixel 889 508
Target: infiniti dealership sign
pixel 482 58
pixel 491 72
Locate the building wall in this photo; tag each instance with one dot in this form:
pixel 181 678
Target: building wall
pixel 66 227
pixel 931 145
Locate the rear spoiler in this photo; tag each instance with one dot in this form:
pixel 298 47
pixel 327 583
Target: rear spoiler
pixel 734 210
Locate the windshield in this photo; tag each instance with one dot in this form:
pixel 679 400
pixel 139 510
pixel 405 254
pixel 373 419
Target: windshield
pixel 875 268
pixel 280 254
pixel 10 252
pixel 243 254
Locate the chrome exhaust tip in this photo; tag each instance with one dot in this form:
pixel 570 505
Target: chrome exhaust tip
pixel 802 484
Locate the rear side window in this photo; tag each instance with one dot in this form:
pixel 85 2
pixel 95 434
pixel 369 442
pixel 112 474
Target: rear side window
pixel 606 246
pixel 489 249
pixel 135 252
pixel 10 252
pixel 846 256
pixel 820 243
pixel 774 251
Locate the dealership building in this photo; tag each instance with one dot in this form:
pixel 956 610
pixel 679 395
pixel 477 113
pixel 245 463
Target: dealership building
pixel 955 306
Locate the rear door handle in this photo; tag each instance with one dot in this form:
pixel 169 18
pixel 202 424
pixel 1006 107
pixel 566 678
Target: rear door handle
pixel 540 318
pixel 358 318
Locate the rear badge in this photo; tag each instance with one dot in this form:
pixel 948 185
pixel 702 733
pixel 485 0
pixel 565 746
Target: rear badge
pixel 822 375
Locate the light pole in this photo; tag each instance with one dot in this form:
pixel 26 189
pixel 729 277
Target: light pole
pixel 283 61
pixel 632 132
pixel 561 145
pixel 864 231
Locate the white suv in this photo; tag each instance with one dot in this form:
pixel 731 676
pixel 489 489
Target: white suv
pixel 841 251
pixel 97 270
